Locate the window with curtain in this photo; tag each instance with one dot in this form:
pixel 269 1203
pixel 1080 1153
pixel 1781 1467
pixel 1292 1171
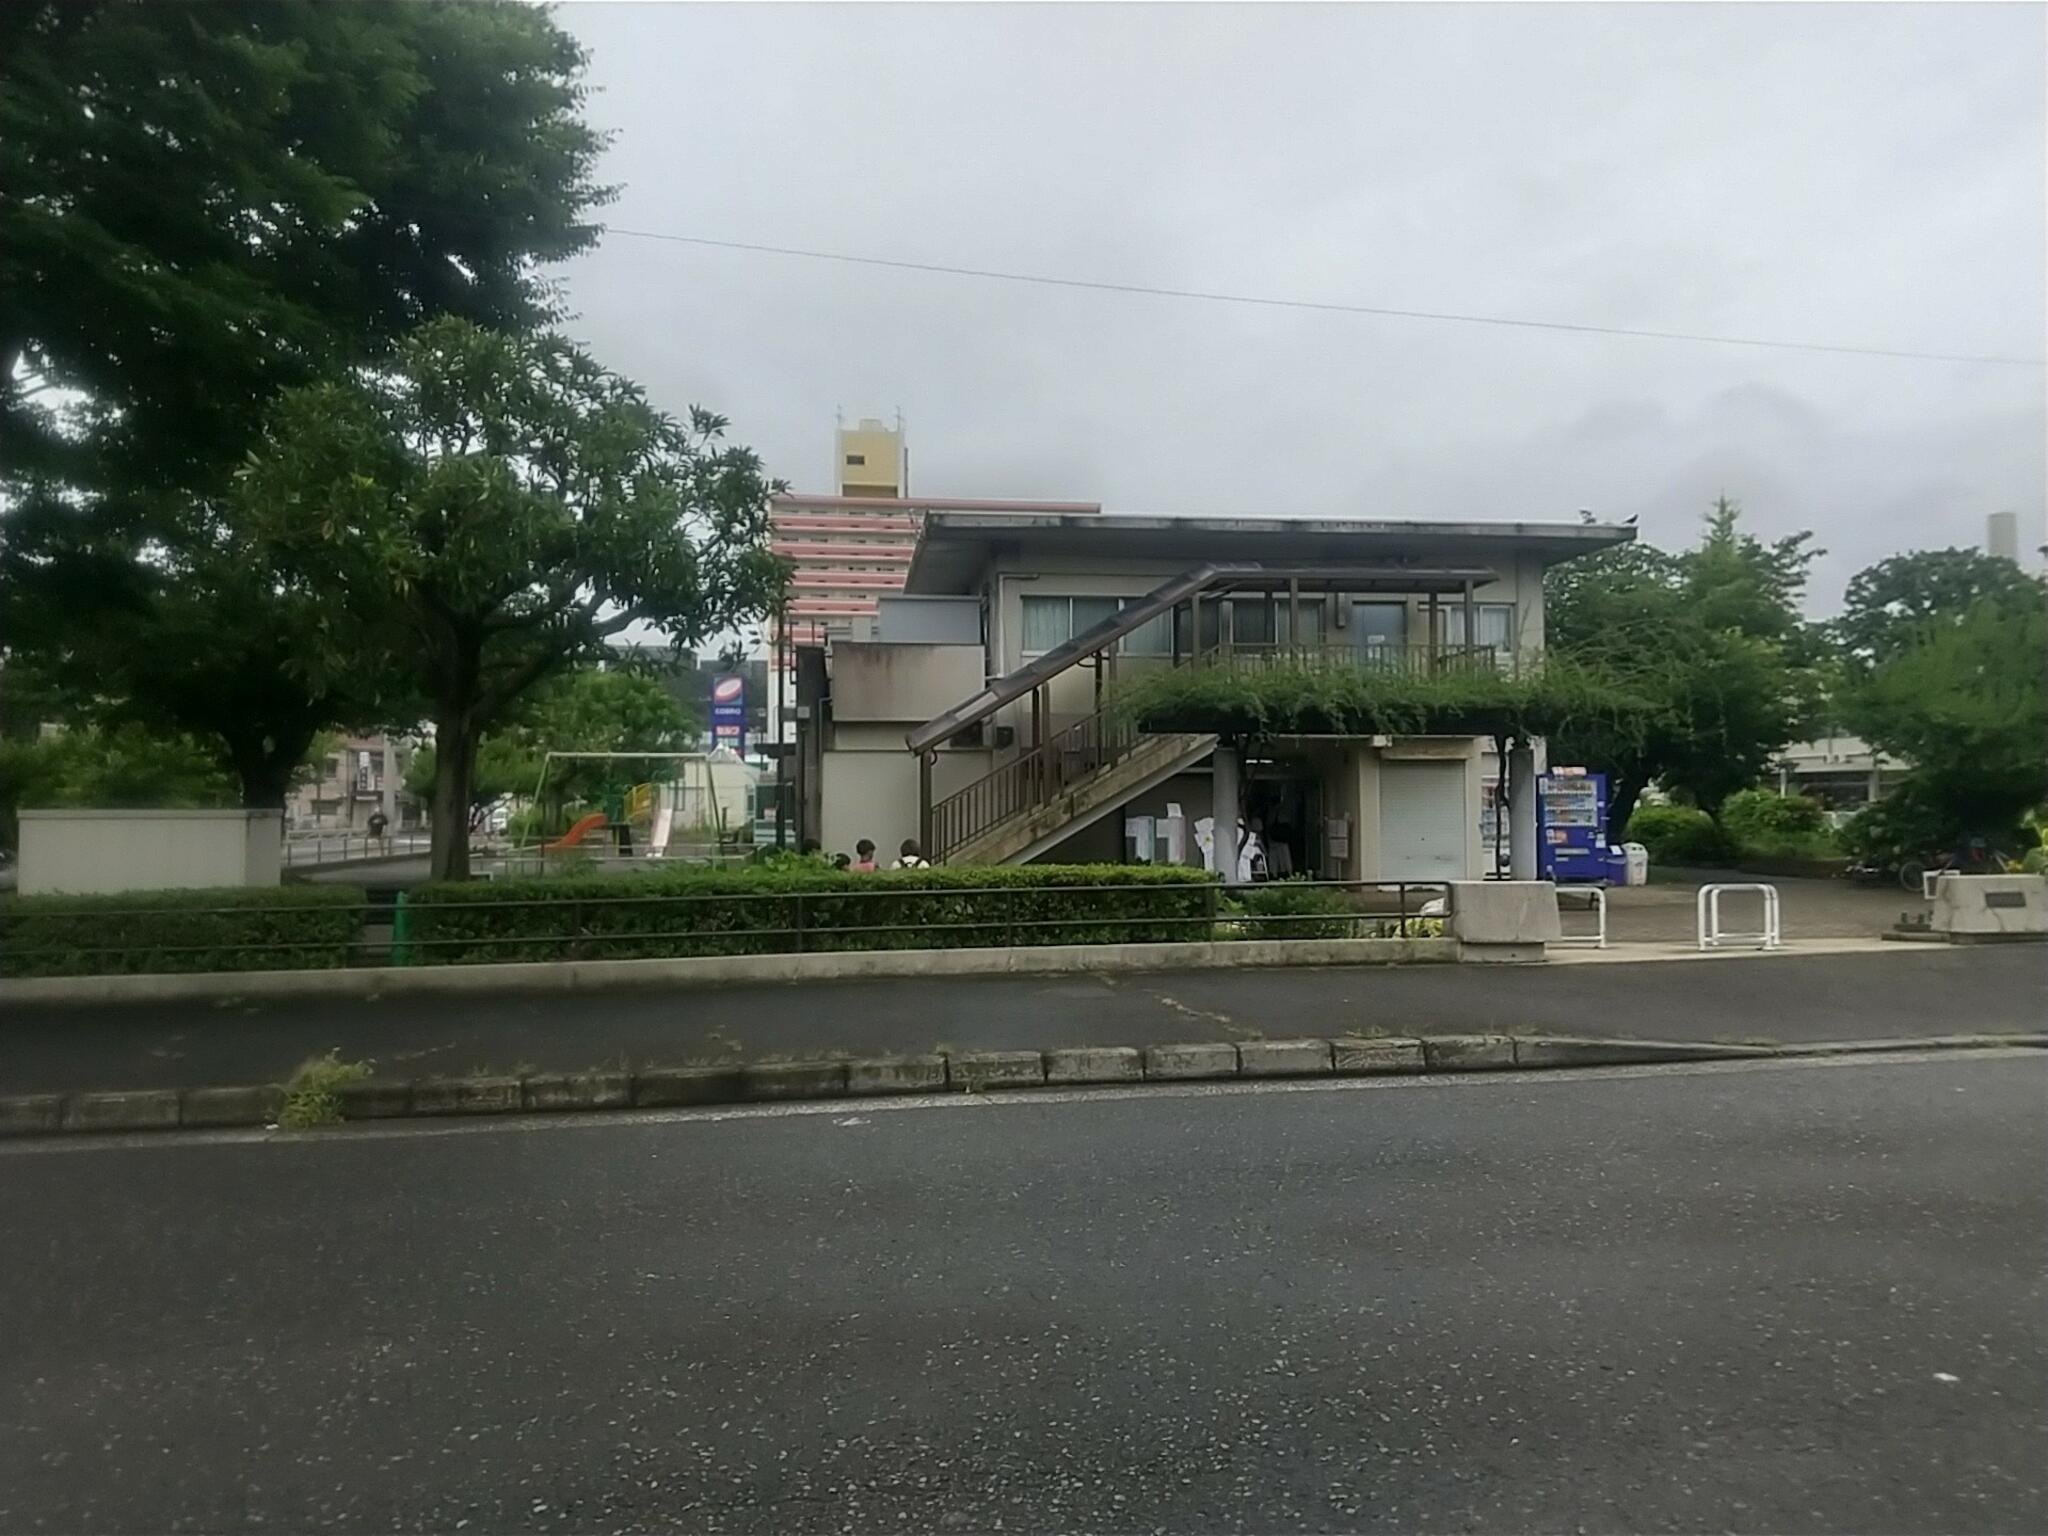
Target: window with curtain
pixel 1053 621
pixel 1496 624
pixel 1154 637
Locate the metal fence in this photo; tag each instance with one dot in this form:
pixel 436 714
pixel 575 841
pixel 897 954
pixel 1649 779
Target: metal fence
pixel 862 917
pixel 302 849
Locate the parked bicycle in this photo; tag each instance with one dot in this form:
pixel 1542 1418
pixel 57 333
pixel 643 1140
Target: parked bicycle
pixel 1974 857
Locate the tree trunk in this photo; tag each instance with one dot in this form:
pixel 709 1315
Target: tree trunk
pixel 265 766
pixel 454 768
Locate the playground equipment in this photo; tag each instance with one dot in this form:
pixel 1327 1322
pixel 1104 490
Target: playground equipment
pixel 686 815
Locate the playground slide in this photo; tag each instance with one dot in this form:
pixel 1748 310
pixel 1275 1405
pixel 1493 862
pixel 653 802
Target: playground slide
pixel 583 828
pixel 657 841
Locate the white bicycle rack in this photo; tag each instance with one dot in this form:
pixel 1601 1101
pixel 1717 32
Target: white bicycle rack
pixel 1709 912
pixel 1598 938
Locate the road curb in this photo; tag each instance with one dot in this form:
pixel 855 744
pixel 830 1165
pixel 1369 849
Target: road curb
pixel 103 1113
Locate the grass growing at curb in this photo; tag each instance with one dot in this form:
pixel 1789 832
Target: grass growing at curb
pixel 309 1098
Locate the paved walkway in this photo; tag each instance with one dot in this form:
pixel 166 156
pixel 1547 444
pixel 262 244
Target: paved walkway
pixel 1898 991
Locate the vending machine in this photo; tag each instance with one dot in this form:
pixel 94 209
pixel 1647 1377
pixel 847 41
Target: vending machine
pixel 1571 818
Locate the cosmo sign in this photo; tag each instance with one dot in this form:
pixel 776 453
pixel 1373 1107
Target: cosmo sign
pixel 729 712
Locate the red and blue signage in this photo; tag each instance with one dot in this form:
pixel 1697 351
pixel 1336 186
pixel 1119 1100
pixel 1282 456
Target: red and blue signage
pixel 729 712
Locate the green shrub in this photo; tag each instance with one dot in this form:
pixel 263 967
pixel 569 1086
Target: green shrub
pixel 283 928
pixel 1678 834
pixel 1293 909
pixel 780 909
pixel 309 1098
pixel 1762 815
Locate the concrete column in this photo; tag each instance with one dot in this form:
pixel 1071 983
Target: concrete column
pixel 1223 767
pixel 1522 860
pixel 390 785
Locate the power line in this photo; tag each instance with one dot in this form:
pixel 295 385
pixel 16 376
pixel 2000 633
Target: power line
pixel 1324 306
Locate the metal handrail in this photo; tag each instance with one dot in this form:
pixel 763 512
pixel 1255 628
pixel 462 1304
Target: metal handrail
pixel 1035 777
pixel 1041 774
pixel 1424 660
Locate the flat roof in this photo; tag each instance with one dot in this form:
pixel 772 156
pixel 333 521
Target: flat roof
pixel 957 540
pixel 932 504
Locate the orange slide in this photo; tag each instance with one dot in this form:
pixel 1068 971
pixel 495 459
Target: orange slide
pixel 577 833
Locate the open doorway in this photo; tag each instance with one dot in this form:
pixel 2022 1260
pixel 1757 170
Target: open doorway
pixel 1284 802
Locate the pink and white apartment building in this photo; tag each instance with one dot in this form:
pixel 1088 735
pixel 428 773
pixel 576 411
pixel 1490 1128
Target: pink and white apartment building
pixel 848 549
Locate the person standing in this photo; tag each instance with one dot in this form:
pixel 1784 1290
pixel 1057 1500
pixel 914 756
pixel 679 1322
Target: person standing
pixel 864 856
pixel 910 856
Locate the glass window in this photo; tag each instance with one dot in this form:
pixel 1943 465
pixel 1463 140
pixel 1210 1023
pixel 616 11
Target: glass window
pixel 1091 611
pixel 1045 623
pixel 1053 621
pixel 1251 620
pixel 1314 614
pixel 1154 637
pixel 1496 623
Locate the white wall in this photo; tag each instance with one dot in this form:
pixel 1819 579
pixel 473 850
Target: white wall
pixel 81 852
pixel 874 794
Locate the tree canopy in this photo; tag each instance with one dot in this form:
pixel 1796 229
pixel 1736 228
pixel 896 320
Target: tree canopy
pixel 1896 604
pixel 487 512
pixel 1711 637
pixel 204 205
pixel 1961 694
pixel 207 203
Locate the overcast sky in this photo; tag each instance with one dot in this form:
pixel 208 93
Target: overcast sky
pixel 1865 176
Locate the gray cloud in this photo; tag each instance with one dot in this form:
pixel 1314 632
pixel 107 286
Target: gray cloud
pixel 1861 175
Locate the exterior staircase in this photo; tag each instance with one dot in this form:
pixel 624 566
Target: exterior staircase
pixel 1075 795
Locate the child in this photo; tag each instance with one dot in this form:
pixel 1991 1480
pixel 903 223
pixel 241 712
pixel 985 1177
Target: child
pixel 864 856
pixel 910 856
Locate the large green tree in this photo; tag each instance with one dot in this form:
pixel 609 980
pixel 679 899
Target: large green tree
pixel 1949 670
pixel 200 205
pixel 1712 637
pixel 1897 604
pixel 488 512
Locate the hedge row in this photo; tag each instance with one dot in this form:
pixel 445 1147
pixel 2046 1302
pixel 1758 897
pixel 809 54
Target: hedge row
pixel 803 909
pixel 279 928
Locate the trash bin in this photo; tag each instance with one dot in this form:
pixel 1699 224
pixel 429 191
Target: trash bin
pixel 1637 862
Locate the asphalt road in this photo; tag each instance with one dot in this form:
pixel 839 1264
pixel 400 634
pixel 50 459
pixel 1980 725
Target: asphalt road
pixel 1774 1297
pixel 1899 993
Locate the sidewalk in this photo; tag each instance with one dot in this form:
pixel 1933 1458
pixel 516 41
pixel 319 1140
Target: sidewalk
pixel 1903 993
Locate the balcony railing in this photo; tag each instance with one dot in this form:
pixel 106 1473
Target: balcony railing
pixel 1340 655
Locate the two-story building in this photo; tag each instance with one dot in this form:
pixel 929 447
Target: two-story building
pixel 974 713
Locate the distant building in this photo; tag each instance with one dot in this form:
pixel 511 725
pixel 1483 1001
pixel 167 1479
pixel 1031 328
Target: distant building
pixel 345 788
pixel 852 547
pixel 1844 773
pixel 2002 535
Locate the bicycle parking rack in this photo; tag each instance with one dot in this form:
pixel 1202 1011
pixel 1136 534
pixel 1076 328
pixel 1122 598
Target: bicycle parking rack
pixel 1596 939
pixel 1709 915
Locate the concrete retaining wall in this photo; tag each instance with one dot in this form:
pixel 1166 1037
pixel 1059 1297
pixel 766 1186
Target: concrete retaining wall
pixel 1977 907
pixel 94 852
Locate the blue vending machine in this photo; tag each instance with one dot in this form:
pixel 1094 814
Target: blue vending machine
pixel 1571 815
